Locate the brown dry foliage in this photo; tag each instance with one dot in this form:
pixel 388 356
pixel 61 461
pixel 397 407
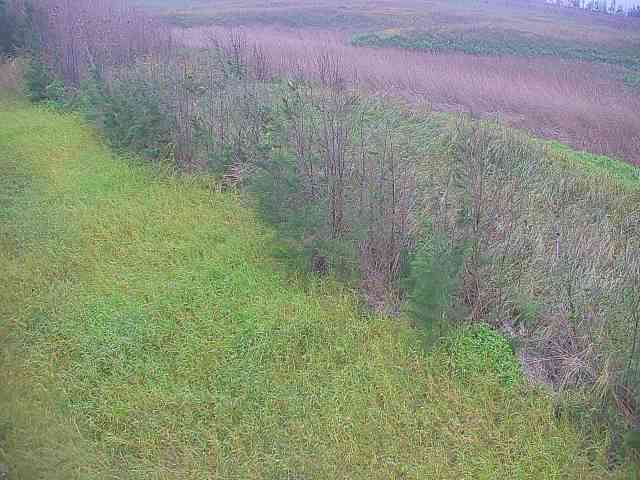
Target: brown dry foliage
pixel 555 257
pixel 576 103
pixel 10 74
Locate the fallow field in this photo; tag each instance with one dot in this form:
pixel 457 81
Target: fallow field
pixel 559 73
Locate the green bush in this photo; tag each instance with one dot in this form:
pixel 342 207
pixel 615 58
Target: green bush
pixel 279 192
pixel 632 80
pixel 433 279
pixel 632 444
pixel 38 78
pixel 478 350
pixel 131 115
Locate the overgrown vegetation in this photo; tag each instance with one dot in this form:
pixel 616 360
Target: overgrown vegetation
pixel 11 76
pixel 7 29
pixel 632 80
pixel 290 18
pixel 582 104
pixel 469 222
pixel 553 252
pixel 147 332
pixel 505 43
pixel 18 33
pixel 480 351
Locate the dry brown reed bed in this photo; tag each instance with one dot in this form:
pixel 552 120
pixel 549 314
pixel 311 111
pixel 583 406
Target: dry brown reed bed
pixel 576 103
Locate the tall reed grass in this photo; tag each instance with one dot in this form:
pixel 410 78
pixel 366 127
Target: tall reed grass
pixel 577 103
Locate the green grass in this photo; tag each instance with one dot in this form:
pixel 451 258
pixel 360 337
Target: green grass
pixel 500 42
pixel 618 172
pixel 632 80
pixel 147 332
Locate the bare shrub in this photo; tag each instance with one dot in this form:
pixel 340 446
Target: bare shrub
pixel 10 74
pixel 575 102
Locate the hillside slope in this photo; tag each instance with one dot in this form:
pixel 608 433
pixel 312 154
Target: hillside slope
pixel 147 332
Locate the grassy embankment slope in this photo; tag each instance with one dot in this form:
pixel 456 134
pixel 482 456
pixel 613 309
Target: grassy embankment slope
pixel 147 332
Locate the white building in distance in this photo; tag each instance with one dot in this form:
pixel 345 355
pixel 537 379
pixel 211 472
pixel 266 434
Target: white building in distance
pixel 620 7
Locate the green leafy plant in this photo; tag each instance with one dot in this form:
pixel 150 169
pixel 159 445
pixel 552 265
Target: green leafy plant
pixel 38 77
pixel 632 80
pixel 132 117
pixel 479 350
